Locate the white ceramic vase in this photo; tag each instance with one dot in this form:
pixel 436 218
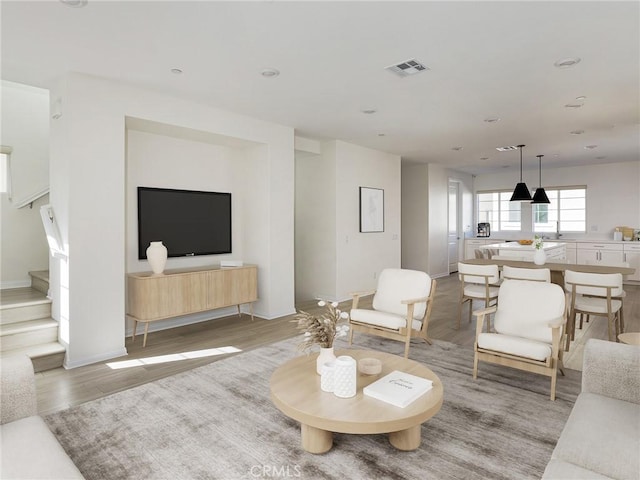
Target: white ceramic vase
pixel 157 257
pixel 539 257
pixel 345 377
pixel 325 355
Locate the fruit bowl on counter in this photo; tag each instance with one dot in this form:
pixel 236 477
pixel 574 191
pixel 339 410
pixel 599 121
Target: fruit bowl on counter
pixel 525 242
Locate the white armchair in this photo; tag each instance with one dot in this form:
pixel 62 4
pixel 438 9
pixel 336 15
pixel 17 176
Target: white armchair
pixel 529 323
pixel 401 307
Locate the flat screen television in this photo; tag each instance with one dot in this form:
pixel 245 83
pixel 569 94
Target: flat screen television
pixel 187 222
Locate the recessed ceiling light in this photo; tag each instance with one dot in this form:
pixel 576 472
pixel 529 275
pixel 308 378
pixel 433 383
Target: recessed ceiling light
pixel 492 119
pixel 381 134
pixel 567 62
pixel 270 73
pixel 590 147
pixel 507 149
pixel 576 132
pixel 177 71
pixel 581 98
pixel 573 105
pixel 75 3
pixel 601 157
pixel 484 158
pixel 368 111
pixel 457 149
pixel 556 154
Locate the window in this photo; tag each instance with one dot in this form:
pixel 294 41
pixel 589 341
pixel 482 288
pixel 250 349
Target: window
pixel 567 211
pixel 495 208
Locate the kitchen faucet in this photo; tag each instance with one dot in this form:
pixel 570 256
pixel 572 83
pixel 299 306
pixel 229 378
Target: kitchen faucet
pixel 558 234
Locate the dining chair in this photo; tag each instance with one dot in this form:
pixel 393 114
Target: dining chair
pixel 478 282
pixel 400 310
pixel 517 273
pixel 529 321
pixel 594 294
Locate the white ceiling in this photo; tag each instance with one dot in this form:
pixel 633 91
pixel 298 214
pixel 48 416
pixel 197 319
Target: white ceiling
pixel 485 59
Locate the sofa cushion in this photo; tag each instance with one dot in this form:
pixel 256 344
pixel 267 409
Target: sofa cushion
pixel 30 450
pixel 561 470
pixel 585 441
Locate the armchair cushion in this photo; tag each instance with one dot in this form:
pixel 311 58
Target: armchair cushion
pixel 521 347
pixel 383 319
pixel 396 285
pixel 521 313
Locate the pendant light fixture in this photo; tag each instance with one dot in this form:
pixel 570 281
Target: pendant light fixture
pixel 521 192
pixel 540 196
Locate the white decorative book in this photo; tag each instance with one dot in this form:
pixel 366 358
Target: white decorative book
pixel 398 388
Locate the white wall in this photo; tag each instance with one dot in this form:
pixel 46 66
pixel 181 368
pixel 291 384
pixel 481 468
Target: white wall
pixel 613 195
pixel 89 193
pixel 425 196
pixel 415 217
pixel 360 257
pixel 332 257
pixel 25 128
pixel 315 224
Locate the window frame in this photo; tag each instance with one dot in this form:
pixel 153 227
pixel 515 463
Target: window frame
pixel 501 193
pixel 559 209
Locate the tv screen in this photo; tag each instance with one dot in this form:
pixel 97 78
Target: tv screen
pixel 187 222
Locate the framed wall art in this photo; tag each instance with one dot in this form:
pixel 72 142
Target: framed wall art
pixel 371 210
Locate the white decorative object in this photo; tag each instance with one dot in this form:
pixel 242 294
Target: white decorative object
pixel 326 355
pixel 345 377
pixel 398 388
pixel 539 257
pixel 327 376
pixel 157 257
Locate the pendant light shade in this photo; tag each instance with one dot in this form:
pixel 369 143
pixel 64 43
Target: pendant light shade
pixel 540 196
pixel 521 192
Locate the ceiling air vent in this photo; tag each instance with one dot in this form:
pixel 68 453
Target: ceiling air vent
pixel 506 149
pixel 406 68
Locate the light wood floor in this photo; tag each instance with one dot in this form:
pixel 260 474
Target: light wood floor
pixel 59 389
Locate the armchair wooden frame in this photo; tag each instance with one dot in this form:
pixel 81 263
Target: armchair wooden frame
pixel 548 368
pixel 403 334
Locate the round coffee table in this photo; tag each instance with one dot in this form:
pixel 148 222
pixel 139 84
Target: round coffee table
pixel 631 338
pixel 295 390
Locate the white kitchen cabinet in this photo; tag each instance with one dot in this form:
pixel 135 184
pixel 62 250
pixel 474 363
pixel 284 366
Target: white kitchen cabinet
pixel 471 244
pixel 632 257
pixel 599 253
pixel 571 253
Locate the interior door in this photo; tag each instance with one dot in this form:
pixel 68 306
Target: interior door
pixel 453 235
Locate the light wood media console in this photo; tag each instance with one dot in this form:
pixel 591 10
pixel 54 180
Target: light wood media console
pixel 183 291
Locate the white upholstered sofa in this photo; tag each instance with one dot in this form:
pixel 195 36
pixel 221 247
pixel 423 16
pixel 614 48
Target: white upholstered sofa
pixel 601 438
pixel 28 448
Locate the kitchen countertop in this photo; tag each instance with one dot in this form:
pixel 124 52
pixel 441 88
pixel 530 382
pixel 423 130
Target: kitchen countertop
pixel 522 248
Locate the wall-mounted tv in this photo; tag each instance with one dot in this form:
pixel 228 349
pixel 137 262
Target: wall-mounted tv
pixel 187 222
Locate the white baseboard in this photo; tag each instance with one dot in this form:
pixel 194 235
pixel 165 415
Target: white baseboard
pixel 94 358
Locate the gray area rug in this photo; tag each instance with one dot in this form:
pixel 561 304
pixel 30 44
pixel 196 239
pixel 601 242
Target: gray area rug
pixel 217 422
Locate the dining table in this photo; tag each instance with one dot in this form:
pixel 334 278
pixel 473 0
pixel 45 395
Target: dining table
pixel 557 269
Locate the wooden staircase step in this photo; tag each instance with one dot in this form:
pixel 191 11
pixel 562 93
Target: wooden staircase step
pixel 22 304
pixel 45 356
pixel 40 281
pixel 27 333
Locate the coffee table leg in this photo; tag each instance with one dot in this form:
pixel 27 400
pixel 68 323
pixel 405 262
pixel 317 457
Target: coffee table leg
pixel 408 439
pixel 315 440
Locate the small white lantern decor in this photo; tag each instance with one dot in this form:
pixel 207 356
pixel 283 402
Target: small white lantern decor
pixel 157 257
pixel 345 377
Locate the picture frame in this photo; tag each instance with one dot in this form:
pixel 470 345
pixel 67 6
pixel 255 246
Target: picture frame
pixel 371 210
